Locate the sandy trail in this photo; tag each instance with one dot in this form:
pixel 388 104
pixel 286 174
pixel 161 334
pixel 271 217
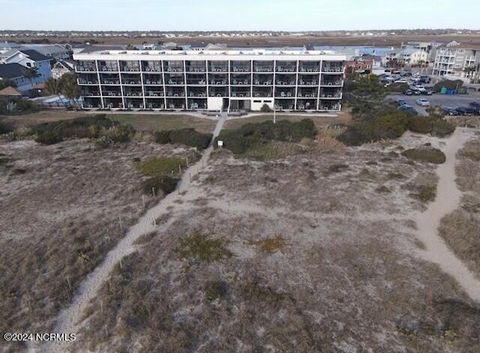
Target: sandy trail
pixel 447 200
pixel 68 319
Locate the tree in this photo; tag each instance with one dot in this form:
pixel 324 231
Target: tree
pixel 7 83
pixel 69 87
pixel 52 86
pixel 30 73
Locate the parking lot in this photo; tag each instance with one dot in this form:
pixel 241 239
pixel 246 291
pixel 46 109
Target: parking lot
pixel 436 100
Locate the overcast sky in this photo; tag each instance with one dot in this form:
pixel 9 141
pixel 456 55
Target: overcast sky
pixel 206 15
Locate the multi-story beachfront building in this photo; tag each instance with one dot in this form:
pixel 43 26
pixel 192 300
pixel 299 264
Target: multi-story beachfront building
pixel 211 79
pixel 458 60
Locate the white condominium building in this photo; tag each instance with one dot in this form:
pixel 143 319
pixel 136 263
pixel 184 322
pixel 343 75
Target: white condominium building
pixel 288 80
pixel 457 60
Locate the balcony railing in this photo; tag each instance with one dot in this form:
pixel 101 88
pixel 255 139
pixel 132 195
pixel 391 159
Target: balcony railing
pixel 134 94
pixel 218 69
pixel 152 69
pixel 284 94
pixel 174 82
pixel 285 83
pixel 154 93
pixel 174 69
pixel 286 68
pixel 176 94
pixel 197 94
pixel 310 69
pixel 196 69
pixel 332 83
pixel 262 83
pixel 108 68
pixel 218 82
pixel 196 82
pixel 263 69
pixel 332 96
pixel 111 82
pixel 240 69
pixel 308 83
pixel 333 69
pixel 85 68
pixel 91 94
pixel 240 83
pixel 152 82
pixel 131 82
pixel 112 94
pixel 130 68
pixel 81 81
pixel 307 95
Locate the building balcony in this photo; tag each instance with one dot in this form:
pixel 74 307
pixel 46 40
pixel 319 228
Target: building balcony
pixel 333 69
pixel 218 83
pixel 152 69
pixel 197 94
pixel 174 69
pixel 239 83
pixel 175 94
pixel 132 82
pixel 332 83
pixel 262 83
pixel 80 68
pixel 331 96
pixel 152 82
pixel 134 94
pixel 218 69
pixel 154 93
pixel 111 94
pixel 307 95
pixel 308 83
pixel 196 82
pixel 285 83
pixel 174 83
pixel 82 81
pixel 91 94
pixel 108 69
pixel 284 94
pixel 110 82
pixel 289 68
pixel 315 69
pixel 130 69
pixel 196 70
pixel 241 68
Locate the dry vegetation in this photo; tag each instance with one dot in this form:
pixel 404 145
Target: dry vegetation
pixel 298 253
pixel 63 207
pixel 461 229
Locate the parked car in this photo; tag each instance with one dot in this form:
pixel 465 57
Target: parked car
pixel 476 106
pixel 427 92
pixel 408 92
pixel 423 102
pixel 401 102
pixel 466 111
pixel 452 111
pixel 408 109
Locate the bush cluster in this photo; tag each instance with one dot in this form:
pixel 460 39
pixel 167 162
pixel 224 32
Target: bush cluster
pixel 161 166
pixel 187 136
pixel 433 124
pixel 17 106
pixel 429 155
pixel 385 124
pixel 165 184
pixel 240 140
pixel 5 128
pixel 88 126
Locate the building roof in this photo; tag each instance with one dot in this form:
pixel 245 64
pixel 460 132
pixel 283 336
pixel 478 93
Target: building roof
pixel 9 71
pixel 9 92
pixel 34 55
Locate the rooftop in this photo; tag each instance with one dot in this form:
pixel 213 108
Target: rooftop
pixel 246 51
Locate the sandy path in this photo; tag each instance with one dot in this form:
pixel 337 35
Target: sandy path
pixel 68 319
pixel 447 200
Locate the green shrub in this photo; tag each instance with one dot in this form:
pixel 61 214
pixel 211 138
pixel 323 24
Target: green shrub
pixel 215 290
pixel 256 134
pixel 121 133
pixel 266 109
pixel 201 248
pixel 429 155
pixel 165 184
pixel 420 124
pixel 83 127
pixel 48 137
pixel 385 124
pixel 162 137
pixel 449 84
pixel 6 128
pixel 426 193
pixel 442 128
pixel 187 136
pixel 161 166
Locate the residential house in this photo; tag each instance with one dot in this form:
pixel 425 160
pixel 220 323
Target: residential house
pixel 16 74
pixel 458 61
pixel 31 59
pixel 62 67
